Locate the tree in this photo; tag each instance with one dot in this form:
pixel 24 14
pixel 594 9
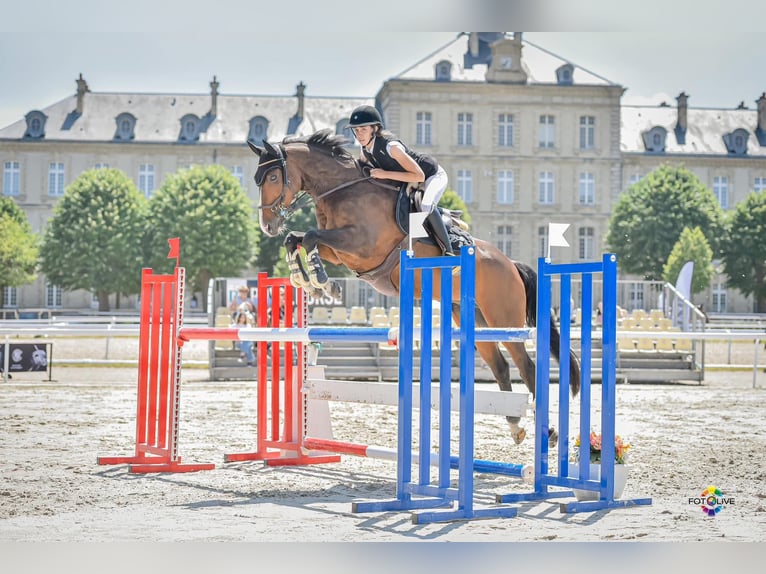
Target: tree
pixel 451 200
pixel 207 208
pixel 652 213
pixel 94 239
pixel 744 251
pixel 691 246
pixel 18 247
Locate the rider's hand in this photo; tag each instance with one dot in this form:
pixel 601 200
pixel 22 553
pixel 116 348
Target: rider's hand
pixel 377 173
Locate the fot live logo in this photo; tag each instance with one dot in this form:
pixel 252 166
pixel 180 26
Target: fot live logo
pixel 712 500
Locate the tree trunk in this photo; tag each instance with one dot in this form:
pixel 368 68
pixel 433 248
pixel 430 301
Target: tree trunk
pixel 103 300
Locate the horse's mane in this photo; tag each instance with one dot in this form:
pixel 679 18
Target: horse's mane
pixel 325 140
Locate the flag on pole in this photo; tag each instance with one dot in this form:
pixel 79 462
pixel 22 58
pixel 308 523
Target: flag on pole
pixel 175 250
pixel 417 229
pixel 556 236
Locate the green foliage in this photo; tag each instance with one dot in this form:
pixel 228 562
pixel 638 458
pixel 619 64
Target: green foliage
pixel 650 216
pixel 744 251
pixel 691 246
pixel 94 239
pixel 451 200
pixel 207 208
pixel 18 246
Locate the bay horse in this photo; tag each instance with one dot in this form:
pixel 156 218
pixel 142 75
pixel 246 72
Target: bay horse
pixel 357 228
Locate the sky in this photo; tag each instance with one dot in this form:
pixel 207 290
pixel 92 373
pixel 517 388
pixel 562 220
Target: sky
pixel 255 47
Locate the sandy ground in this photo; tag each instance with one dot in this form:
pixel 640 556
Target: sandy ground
pixel 685 437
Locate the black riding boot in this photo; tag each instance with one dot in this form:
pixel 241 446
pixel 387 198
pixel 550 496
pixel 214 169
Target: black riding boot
pixel 435 225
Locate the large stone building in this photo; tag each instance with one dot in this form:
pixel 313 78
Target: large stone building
pixel 526 137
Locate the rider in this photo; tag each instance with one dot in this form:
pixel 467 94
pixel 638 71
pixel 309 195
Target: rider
pixel 389 158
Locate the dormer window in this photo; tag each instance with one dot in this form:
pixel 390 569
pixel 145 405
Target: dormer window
pixel 189 128
pixel 736 141
pixel 654 139
pixel 126 126
pixel 259 129
pixel 35 125
pixel 341 128
pixel 443 71
pixel 564 75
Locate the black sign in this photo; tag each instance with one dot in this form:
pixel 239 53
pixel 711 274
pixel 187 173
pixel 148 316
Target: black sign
pixel 24 357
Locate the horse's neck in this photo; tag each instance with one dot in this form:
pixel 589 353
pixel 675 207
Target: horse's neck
pixel 321 173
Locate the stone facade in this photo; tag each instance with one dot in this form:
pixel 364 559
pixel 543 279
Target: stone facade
pixel 527 138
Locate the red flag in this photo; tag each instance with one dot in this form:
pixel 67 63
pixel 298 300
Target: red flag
pixel 175 248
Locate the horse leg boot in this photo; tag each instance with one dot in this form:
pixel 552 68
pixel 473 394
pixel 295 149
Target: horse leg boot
pixel 435 225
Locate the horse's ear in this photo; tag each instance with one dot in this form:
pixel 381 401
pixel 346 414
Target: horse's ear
pixel 271 149
pixel 256 150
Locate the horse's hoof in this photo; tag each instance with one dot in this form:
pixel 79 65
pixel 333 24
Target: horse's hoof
pixel 553 437
pixel 519 436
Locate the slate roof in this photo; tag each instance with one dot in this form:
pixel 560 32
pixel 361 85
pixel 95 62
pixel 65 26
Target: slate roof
pixel 705 129
pixel 158 116
pixel 539 64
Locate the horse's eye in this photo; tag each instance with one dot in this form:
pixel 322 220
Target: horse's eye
pixel 273 178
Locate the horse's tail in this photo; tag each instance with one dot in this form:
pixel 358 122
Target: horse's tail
pixel 529 278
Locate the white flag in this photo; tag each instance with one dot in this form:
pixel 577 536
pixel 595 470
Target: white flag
pixel 556 234
pixel 416 225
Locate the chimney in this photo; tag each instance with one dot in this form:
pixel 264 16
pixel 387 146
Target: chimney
pixel 82 88
pixel 760 130
pixel 299 91
pixel 473 44
pixel 681 123
pixel 214 97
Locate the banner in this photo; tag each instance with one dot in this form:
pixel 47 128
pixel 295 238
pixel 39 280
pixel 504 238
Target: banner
pixel 24 357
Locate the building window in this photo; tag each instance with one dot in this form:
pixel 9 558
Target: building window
pixel 504 235
pixel 505 186
pixel 35 125
pixel 505 130
pixel 146 179
pixel 587 195
pixel 239 173
pixel 546 187
pixel 53 296
pixel 547 131
pixel 11 178
pixel 587 132
pixel 542 241
pixel 634 178
pixel 126 125
pixel 189 129
pixel 721 190
pixel 465 185
pixel 586 243
pixel 635 296
pixel 719 297
pixel 101 166
pixel 341 128
pixel 564 74
pixel 423 128
pixel 759 184
pixel 465 129
pixel 56 179
pixel 443 71
pixel 10 297
pixel 259 130
pixel 654 139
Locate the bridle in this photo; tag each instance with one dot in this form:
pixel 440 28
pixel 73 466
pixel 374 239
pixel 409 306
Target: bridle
pixel 278 207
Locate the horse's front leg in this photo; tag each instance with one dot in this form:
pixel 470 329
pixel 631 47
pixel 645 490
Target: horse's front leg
pixel 298 276
pixel 322 244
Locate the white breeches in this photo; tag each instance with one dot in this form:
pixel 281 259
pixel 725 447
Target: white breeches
pixel 433 190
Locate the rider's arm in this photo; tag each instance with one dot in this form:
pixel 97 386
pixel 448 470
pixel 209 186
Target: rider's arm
pixel 412 173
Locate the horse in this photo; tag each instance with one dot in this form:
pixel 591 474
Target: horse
pixel 357 228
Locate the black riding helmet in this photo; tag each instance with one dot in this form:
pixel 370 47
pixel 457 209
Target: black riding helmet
pixel 365 116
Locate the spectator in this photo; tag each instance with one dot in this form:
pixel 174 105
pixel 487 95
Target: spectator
pixel 242 319
pixel 243 299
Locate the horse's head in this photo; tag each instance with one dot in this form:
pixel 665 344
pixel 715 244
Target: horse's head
pixel 274 185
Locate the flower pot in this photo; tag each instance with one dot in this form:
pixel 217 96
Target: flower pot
pixel 620 478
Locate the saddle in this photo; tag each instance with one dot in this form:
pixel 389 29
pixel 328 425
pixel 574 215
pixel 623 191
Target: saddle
pixel 408 201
